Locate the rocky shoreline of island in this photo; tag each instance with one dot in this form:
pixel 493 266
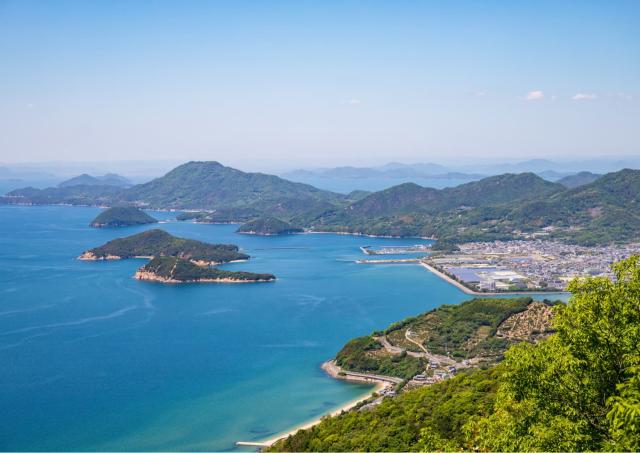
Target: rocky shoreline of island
pixel 153 277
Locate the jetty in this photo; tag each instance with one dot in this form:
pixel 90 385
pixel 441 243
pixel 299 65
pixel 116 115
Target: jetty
pixel 398 261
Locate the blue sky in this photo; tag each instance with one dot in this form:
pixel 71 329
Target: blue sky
pixel 285 84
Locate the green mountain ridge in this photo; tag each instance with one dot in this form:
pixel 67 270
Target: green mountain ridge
pixel 210 185
pixel 604 211
pixel 508 206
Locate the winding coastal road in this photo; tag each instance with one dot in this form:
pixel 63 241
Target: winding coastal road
pixel 426 354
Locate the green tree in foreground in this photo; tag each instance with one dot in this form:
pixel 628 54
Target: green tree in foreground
pixel 579 389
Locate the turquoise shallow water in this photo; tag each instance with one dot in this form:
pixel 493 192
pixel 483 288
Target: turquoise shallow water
pixel 94 360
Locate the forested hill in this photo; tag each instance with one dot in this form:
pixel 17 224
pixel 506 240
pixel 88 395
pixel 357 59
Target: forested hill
pixel 479 330
pixel 120 216
pixel 210 185
pixel 500 207
pixel 158 242
pixel 232 194
pixel 411 198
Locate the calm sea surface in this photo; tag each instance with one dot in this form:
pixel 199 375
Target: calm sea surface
pixel 94 360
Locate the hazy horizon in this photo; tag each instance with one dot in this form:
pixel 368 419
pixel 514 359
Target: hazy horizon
pixel 291 84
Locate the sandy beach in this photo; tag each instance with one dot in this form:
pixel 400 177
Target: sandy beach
pixel 332 370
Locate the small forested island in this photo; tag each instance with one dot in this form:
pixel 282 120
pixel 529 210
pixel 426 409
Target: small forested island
pixel 158 242
pixel 169 269
pixel 268 226
pixel 569 381
pixel 120 216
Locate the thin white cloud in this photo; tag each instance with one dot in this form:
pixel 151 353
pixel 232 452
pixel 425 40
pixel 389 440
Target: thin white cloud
pixel 481 93
pixel 584 97
pixel 354 102
pixel 535 95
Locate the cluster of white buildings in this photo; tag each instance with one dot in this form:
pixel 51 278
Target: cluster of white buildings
pixel 502 265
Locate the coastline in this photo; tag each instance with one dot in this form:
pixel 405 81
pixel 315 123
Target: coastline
pixel 466 290
pixel 333 371
pixel 151 277
pixel 347 233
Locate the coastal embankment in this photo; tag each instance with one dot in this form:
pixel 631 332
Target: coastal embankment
pixel 395 261
pixel 336 372
pixel 466 290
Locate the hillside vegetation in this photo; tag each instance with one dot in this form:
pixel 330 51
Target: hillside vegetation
pixel 210 185
pixel 160 243
pixel 89 195
pixel 120 216
pixel 268 226
pixel 479 329
pixel 400 424
pixel 577 390
pixel 501 207
pixel 178 270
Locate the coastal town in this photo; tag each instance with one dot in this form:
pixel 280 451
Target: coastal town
pixel 528 265
pixel 512 266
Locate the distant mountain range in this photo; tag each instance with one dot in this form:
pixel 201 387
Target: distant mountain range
pixel 346 179
pixel 579 179
pixel 506 206
pixel 110 179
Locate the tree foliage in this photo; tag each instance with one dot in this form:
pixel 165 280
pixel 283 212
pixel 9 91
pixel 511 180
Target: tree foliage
pixel 578 390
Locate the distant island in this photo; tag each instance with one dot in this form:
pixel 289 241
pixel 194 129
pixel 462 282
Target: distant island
pixel 110 179
pixel 160 243
pixel 169 269
pixel 268 226
pixel 121 216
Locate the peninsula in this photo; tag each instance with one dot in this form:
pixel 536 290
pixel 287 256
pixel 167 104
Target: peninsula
pixel 158 242
pixel 420 356
pixel 169 269
pixel 121 216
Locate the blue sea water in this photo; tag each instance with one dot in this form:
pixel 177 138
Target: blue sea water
pixel 95 360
